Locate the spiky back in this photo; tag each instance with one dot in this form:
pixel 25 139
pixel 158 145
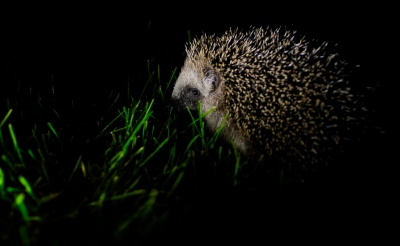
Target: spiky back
pixel 290 99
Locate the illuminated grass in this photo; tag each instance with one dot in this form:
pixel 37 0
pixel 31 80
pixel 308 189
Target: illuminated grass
pixel 141 164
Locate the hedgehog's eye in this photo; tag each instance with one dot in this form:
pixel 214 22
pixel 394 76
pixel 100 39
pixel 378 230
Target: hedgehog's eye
pixel 195 92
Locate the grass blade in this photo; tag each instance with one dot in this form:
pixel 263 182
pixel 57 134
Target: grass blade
pixel 5 118
pixel 15 143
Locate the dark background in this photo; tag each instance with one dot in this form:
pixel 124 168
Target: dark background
pixel 92 51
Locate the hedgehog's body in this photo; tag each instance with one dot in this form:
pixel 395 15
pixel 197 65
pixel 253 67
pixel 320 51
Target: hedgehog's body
pixel 285 98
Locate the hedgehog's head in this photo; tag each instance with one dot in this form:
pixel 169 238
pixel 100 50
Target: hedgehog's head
pixel 197 82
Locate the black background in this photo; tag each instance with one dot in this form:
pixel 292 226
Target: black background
pixel 92 50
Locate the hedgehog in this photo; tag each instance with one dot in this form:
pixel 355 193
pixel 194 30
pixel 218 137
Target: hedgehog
pixel 286 97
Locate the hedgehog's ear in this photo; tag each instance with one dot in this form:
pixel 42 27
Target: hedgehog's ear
pixel 211 79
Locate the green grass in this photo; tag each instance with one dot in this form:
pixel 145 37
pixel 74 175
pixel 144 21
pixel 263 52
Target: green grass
pixel 126 187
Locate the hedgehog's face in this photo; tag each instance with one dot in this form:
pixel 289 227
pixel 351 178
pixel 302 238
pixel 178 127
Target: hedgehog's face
pixel 195 85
